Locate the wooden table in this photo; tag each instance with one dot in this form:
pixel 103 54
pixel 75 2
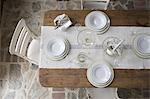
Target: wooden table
pixel 77 77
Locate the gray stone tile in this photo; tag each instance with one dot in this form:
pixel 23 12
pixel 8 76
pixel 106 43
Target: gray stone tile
pixel 61 5
pixel 73 5
pixel 119 7
pixel 58 89
pixel 123 1
pixel 146 92
pixel 36 6
pixel 82 93
pixel 36 90
pixel 3 87
pixel 6 38
pixel 4 68
pixel 131 93
pixel 58 95
pixel 71 96
pixel 10 95
pixel 34 23
pixel 15 77
pixel 50 5
pixel 20 94
pixel 130 5
pixel 28 77
pixel 46 95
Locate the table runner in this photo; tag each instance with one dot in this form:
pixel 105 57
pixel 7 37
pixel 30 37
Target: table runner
pixel 127 61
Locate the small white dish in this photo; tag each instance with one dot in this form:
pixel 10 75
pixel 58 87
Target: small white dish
pixel 100 74
pixel 97 21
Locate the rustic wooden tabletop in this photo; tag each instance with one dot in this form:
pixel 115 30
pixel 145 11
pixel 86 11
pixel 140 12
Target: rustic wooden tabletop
pixel 77 77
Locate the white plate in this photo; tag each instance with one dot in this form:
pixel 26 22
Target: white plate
pixel 60 50
pixel 56 47
pixel 105 30
pixel 67 48
pixel 141 45
pixel 97 21
pixel 100 75
pixel 62 56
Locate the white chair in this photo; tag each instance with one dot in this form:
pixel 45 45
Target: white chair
pixel 103 93
pixel 95 4
pixel 24 43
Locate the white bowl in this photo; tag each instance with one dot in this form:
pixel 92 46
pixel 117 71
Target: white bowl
pixel 96 20
pixel 63 55
pixel 56 47
pixel 141 45
pixel 100 75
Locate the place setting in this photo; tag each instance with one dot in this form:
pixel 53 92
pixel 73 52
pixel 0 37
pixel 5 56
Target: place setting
pixel 57 48
pixel 97 21
pixel 141 45
pixel 100 74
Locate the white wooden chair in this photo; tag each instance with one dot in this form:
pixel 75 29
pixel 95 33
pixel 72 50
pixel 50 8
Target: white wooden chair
pixel 103 93
pixel 24 43
pixel 95 4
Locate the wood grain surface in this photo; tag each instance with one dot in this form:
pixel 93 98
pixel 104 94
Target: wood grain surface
pixel 118 18
pixel 77 77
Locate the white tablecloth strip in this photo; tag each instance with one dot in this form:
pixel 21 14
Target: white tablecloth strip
pixel 128 60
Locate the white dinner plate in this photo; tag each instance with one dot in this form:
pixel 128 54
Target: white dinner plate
pixel 141 45
pixel 97 21
pixel 63 55
pixel 100 75
pixel 57 48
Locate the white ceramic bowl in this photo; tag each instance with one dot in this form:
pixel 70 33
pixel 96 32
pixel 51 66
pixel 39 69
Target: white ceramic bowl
pixel 100 75
pixel 97 20
pixel 57 48
pixel 141 45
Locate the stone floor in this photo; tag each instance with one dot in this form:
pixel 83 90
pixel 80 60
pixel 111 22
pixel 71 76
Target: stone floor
pixel 18 78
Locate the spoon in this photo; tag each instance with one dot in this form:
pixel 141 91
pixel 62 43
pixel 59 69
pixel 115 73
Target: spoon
pixel 117 45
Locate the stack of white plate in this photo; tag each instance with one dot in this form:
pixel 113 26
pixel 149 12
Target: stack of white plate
pixel 97 21
pixel 141 45
pixel 100 75
pixel 57 48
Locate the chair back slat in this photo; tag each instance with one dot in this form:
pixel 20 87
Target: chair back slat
pixel 25 42
pixel 20 39
pixel 95 4
pixel 22 42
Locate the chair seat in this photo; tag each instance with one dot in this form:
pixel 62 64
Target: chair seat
pixel 33 51
pixel 103 93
